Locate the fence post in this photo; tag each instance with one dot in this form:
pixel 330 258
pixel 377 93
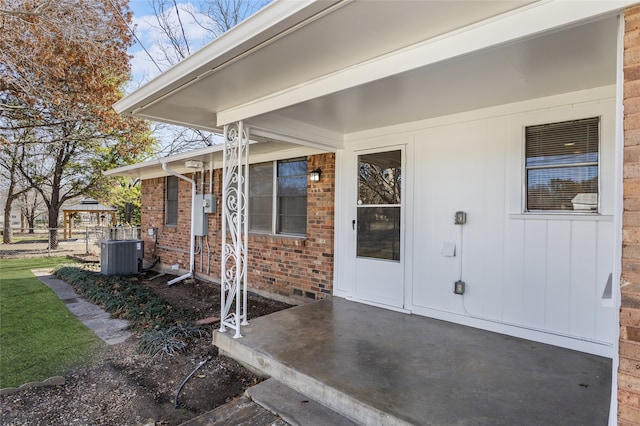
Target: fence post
pixel 86 240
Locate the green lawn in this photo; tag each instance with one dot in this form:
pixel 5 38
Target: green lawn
pixel 39 337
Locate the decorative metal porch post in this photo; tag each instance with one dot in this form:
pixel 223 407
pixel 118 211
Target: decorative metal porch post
pixel 235 184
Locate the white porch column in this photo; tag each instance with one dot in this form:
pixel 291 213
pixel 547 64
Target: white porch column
pixel 235 184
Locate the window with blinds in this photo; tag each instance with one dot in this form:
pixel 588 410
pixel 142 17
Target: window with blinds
pixel 561 166
pixel 278 197
pixel 171 201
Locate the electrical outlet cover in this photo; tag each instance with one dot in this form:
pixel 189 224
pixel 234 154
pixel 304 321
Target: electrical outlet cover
pixel 449 249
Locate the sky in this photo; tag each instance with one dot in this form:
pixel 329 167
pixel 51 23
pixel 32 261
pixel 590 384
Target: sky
pixel 143 68
pixel 146 29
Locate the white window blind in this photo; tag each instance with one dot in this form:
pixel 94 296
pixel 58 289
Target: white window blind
pixel 171 201
pixel 562 166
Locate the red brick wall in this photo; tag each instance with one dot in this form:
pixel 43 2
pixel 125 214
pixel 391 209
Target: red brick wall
pixel 173 241
pixel 290 267
pixel 629 368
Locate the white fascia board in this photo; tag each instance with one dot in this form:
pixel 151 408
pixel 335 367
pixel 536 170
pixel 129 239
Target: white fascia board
pixel 130 170
pixel 164 120
pixel 517 24
pixel 228 46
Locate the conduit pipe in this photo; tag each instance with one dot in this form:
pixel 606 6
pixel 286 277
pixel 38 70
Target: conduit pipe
pixel 192 237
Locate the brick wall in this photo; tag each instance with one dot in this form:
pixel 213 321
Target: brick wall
pixel 629 369
pixel 298 268
pixel 172 241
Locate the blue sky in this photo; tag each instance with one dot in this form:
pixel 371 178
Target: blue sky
pixel 141 7
pixel 145 26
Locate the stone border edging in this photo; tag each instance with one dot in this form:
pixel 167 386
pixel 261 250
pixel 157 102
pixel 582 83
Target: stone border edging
pixel 51 381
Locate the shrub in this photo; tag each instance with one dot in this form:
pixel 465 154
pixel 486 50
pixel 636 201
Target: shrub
pixel 165 329
pixel 168 341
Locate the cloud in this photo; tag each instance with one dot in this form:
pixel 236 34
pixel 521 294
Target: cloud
pixel 158 45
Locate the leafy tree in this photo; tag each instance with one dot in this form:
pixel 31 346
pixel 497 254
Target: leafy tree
pixel 124 195
pixel 62 66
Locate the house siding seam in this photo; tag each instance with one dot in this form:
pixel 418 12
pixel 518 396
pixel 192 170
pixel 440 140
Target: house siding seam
pixel 296 268
pixel 629 349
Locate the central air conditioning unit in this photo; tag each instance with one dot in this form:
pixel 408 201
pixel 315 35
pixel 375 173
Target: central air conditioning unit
pixel 121 257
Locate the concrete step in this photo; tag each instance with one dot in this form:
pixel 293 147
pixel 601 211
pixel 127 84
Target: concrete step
pixel 343 404
pixel 240 411
pixel 294 407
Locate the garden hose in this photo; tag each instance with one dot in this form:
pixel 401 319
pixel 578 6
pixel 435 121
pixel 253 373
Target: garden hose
pixel 175 400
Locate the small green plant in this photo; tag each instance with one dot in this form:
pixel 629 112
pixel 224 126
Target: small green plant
pixel 168 341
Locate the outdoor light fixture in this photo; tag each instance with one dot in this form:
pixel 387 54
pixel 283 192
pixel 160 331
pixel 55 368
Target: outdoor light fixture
pixel 314 175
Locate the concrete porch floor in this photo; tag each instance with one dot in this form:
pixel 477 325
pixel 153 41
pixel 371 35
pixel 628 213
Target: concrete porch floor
pixel 377 366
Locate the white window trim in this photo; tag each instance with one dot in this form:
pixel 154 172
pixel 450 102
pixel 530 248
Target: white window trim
pixel 274 201
pixel 600 107
pixel 553 213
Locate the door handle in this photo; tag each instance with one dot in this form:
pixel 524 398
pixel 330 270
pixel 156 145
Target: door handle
pixel 353 224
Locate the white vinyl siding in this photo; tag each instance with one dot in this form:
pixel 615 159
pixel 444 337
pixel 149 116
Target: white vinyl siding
pixel 538 275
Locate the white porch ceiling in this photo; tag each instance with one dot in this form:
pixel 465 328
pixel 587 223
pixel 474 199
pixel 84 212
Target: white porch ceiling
pixel 317 71
pixel 575 59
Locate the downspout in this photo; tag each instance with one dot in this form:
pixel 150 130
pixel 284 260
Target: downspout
pixel 193 210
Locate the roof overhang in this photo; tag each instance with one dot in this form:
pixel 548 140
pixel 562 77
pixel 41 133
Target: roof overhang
pixel 211 158
pixel 311 72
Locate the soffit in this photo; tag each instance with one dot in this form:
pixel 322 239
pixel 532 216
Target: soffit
pixel 347 35
pixel 351 33
pixel 578 58
pixel 260 151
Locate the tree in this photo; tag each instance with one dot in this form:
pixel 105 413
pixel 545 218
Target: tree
pixel 177 22
pixel 12 155
pixel 125 196
pixel 62 66
pixel 30 205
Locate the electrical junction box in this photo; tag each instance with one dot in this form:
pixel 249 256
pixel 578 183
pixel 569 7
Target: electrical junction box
pixel 460 218
pixel 200 221
pixel 121 257
pixel 209 203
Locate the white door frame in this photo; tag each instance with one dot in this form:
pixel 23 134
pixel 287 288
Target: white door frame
pixel 345 236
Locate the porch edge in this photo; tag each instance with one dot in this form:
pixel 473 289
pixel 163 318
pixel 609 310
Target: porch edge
pixel 337 401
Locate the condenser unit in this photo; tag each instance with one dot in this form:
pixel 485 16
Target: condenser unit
pixel 121 257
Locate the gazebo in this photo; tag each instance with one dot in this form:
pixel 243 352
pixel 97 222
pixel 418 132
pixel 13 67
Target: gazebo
pixel 88 205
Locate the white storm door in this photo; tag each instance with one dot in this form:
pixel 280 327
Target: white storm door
pixel 379 256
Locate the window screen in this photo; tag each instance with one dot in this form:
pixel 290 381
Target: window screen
pixel 261 197
pixel 562 166
pixel 283 198
pixel 171 202
pixel 292 197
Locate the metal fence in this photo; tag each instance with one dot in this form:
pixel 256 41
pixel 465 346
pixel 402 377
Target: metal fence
pixel 78 241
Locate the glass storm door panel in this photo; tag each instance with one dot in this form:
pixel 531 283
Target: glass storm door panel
pixel 379 271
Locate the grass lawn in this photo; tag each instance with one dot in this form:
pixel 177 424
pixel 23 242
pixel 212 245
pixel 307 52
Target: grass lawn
pixel 39 337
